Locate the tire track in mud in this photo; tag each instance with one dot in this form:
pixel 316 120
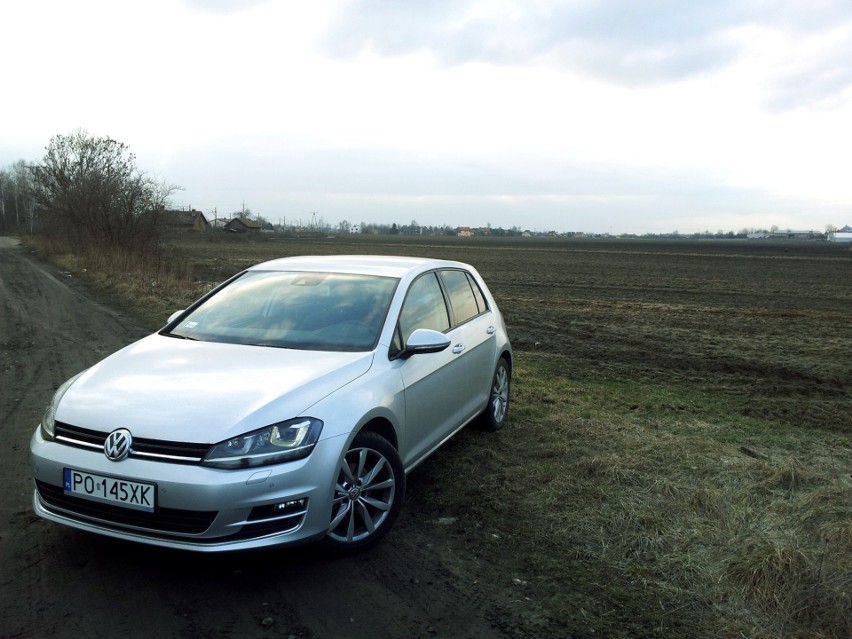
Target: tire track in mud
pixel 60 582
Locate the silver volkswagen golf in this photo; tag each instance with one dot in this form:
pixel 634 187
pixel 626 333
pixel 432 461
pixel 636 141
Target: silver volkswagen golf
pixel 284 407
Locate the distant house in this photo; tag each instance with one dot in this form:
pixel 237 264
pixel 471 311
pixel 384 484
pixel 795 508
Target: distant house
pixel 464 231
pixel 242 225
pixel 841 235
pixel 191 220
pixel 797 235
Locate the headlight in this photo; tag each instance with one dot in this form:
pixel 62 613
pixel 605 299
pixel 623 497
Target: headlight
pixel 274 444
pixel 48 421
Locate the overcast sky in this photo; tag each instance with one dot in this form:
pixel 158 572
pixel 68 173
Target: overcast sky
pixel 577 115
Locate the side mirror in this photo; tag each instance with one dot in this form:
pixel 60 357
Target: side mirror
pixel 173 317
pixel 425 340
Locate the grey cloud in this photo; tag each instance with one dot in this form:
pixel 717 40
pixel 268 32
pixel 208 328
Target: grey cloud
pixel 624 42
pixel 796 16
pixel 820 83
pixel 627 65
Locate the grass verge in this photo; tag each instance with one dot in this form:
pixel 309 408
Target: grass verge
pixel 149 286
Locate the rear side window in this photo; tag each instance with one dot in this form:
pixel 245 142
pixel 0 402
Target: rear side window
pixel 466 299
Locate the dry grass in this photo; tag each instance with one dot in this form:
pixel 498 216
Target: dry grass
pixel 669 526
pixel 151 285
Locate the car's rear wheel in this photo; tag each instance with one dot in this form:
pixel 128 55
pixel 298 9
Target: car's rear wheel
pixel 497 409
pixel 368 494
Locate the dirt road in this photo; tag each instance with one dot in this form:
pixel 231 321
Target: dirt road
pixel 58 582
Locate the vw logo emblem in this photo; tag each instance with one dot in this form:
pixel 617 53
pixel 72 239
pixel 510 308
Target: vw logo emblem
pixel 117 444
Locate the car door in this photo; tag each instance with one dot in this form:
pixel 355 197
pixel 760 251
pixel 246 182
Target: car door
pixel 473 336
pixel 434 383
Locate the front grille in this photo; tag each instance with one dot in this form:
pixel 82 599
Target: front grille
pixel 166 520
pixel 166 451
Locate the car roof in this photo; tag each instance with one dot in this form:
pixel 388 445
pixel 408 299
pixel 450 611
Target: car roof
pixel 384 265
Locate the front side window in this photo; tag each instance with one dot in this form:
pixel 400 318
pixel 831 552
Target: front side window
pixel 306 311
pixel 424 307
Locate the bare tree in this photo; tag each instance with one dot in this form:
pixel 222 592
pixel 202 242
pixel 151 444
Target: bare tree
pixel 17 206
pixel 90 189
pixel 4 181
pixel 24 188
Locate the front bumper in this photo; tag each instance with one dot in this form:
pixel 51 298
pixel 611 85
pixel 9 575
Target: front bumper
pixel 197 507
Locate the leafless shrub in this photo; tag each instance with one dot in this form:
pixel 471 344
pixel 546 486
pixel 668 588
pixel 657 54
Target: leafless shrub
pixel 89 193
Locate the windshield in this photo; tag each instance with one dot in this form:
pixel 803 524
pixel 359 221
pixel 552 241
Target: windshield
pixel 306 311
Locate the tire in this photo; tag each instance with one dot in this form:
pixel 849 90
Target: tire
pixel 494 415
pixel 367 497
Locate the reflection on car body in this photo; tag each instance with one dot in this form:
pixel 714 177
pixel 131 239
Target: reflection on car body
pixel 284 407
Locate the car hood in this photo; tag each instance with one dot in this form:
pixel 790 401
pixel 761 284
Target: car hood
pixel 182 390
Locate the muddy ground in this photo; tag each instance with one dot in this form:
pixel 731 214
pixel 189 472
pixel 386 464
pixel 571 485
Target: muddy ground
pixel 59 582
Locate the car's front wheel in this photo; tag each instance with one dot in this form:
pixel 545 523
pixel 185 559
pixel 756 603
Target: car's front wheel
pixel 368 494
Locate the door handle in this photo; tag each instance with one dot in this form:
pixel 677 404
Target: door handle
pixel 491 330
pixel 458 348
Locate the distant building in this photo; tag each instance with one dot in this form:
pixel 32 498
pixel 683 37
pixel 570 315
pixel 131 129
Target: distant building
pixel 464 231
pixel 191 220
pixel 797 235
pixel 841 235
pixel 242 225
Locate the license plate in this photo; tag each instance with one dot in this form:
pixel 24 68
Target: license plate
pixel 129 494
